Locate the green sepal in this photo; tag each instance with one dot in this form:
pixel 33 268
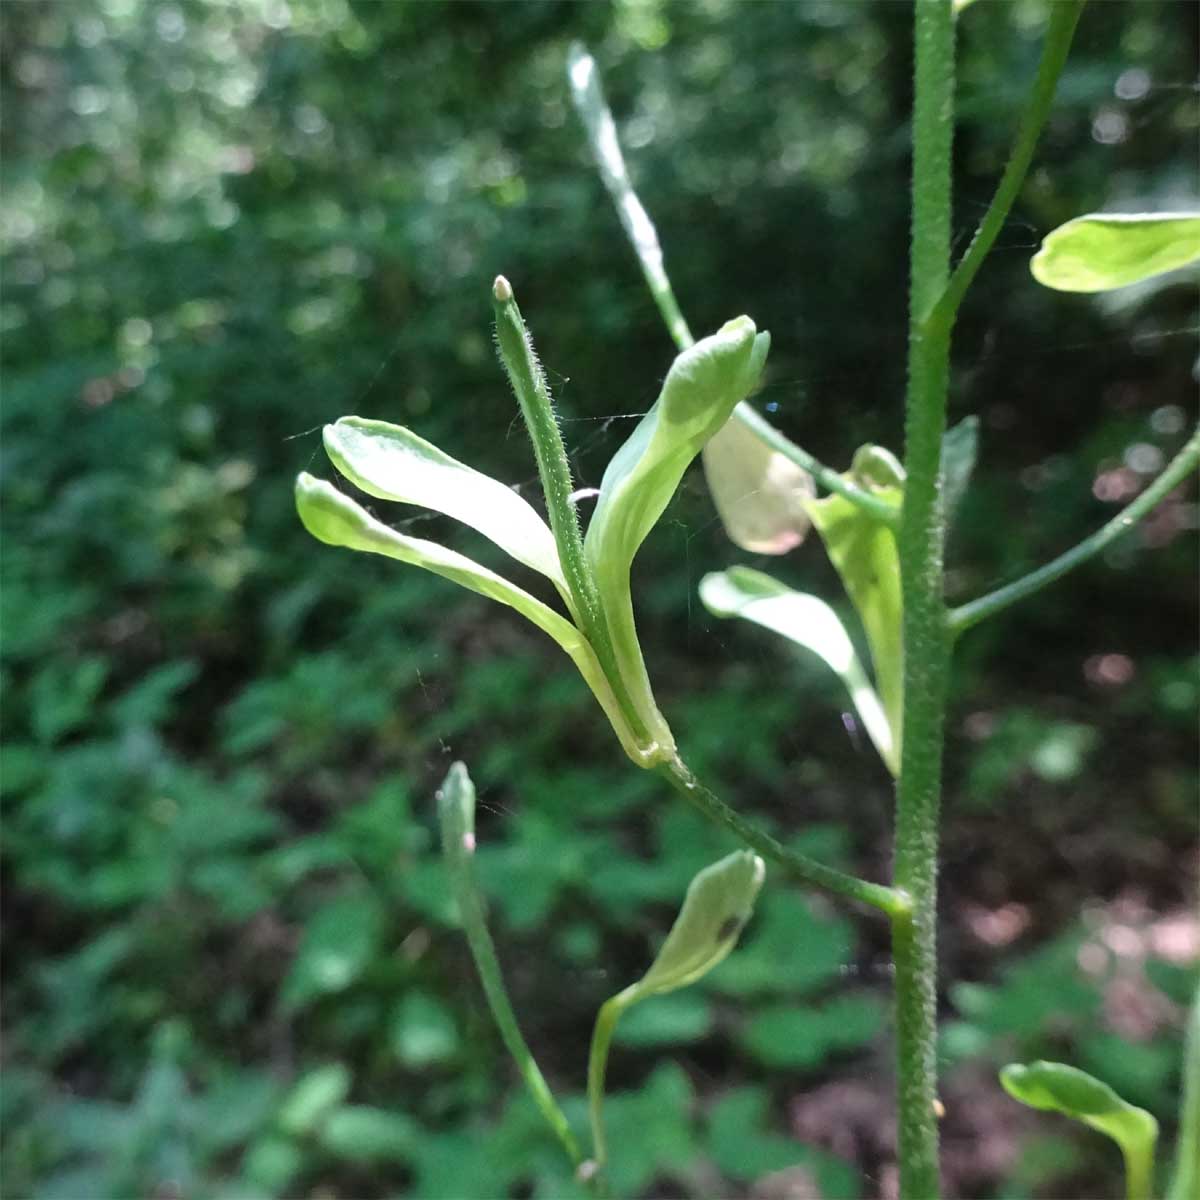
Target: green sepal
pixel 1101 251
pixel 864 552
pixel 333 518
pixel 717 905
pixel 391 462
pixel 807 621
pixel 759 494
pixel 1057 1087
pixel 702 388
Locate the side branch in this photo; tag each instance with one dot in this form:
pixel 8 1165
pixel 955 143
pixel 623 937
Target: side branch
pixel 889 900
pixel 1064 17
pixel 1179 468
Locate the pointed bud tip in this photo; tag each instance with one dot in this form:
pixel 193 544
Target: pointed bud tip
pixel 502 290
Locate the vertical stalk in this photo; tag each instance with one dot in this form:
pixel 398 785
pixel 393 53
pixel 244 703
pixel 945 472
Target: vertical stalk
pixel 926 641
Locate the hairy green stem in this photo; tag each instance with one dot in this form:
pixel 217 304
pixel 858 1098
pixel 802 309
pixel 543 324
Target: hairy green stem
pixel 533 395
pixel 926 643
pixel 1064 17
pixel 1177 470
pixel 889 900
pixel 456 808
pixel 1186 1183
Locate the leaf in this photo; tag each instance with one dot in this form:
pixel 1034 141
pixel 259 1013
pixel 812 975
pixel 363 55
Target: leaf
pixel 313 1097
pixel 1101 251
pixel 1056 1087
pixel 804 1037
pixel 340 941
pixel 423 1031
pixel 743 1146
pixel 667 1020
pixel 392 463
pixel 960 449
pixel 864 552
pixel 716 908
pixel 360 1133
pixel 806 621
pixel 759 493
pixel 335 519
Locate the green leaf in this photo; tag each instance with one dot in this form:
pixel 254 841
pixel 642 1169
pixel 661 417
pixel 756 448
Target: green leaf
pixel 715 910
pixel 423 1031
pixel 392 463
pixel 335 519
pixel 667 1020
pixel 340 941
pixel 759 493
pixel 1110 250
pixel 314 1096
pixel 864 552
pixel 1056 1087
pixel 803 1037
pixel 806 621
pixel 368 1135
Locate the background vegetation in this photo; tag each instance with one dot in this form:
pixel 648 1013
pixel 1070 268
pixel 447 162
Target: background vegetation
pixel 231 968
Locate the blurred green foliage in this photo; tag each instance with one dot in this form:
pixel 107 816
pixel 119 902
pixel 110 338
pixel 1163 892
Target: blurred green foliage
pixel 231 964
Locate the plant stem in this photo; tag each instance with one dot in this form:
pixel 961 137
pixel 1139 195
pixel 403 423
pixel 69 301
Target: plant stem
pixel 1064 17
pixel 926 643
pixel 533 395
pixel 1177 470
pixel 1186 1183
pixel 588 95
pixel 889 900
pixel 456 809
pixel 606 1024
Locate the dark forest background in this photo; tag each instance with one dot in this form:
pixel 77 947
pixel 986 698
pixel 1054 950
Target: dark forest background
pixel 231 967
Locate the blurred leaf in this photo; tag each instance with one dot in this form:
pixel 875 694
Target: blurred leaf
pixel 743 1149
pixel 768 961
pixel 423 1031
pixel 63 695
pixel 313 1097
pixel 651 1130
pixel 677 1018
pixel 806 621
pixel 802 1038
pixel 1111 250
pixel 369 1135
pixel 340 940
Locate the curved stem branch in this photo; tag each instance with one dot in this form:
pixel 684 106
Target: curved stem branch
pixel 588 95
pixel 800 866
pixel 1179 468
pixel 1064 17
pixel 456 807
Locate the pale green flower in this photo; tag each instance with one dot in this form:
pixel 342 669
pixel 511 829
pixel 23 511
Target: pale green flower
pixel 392 463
